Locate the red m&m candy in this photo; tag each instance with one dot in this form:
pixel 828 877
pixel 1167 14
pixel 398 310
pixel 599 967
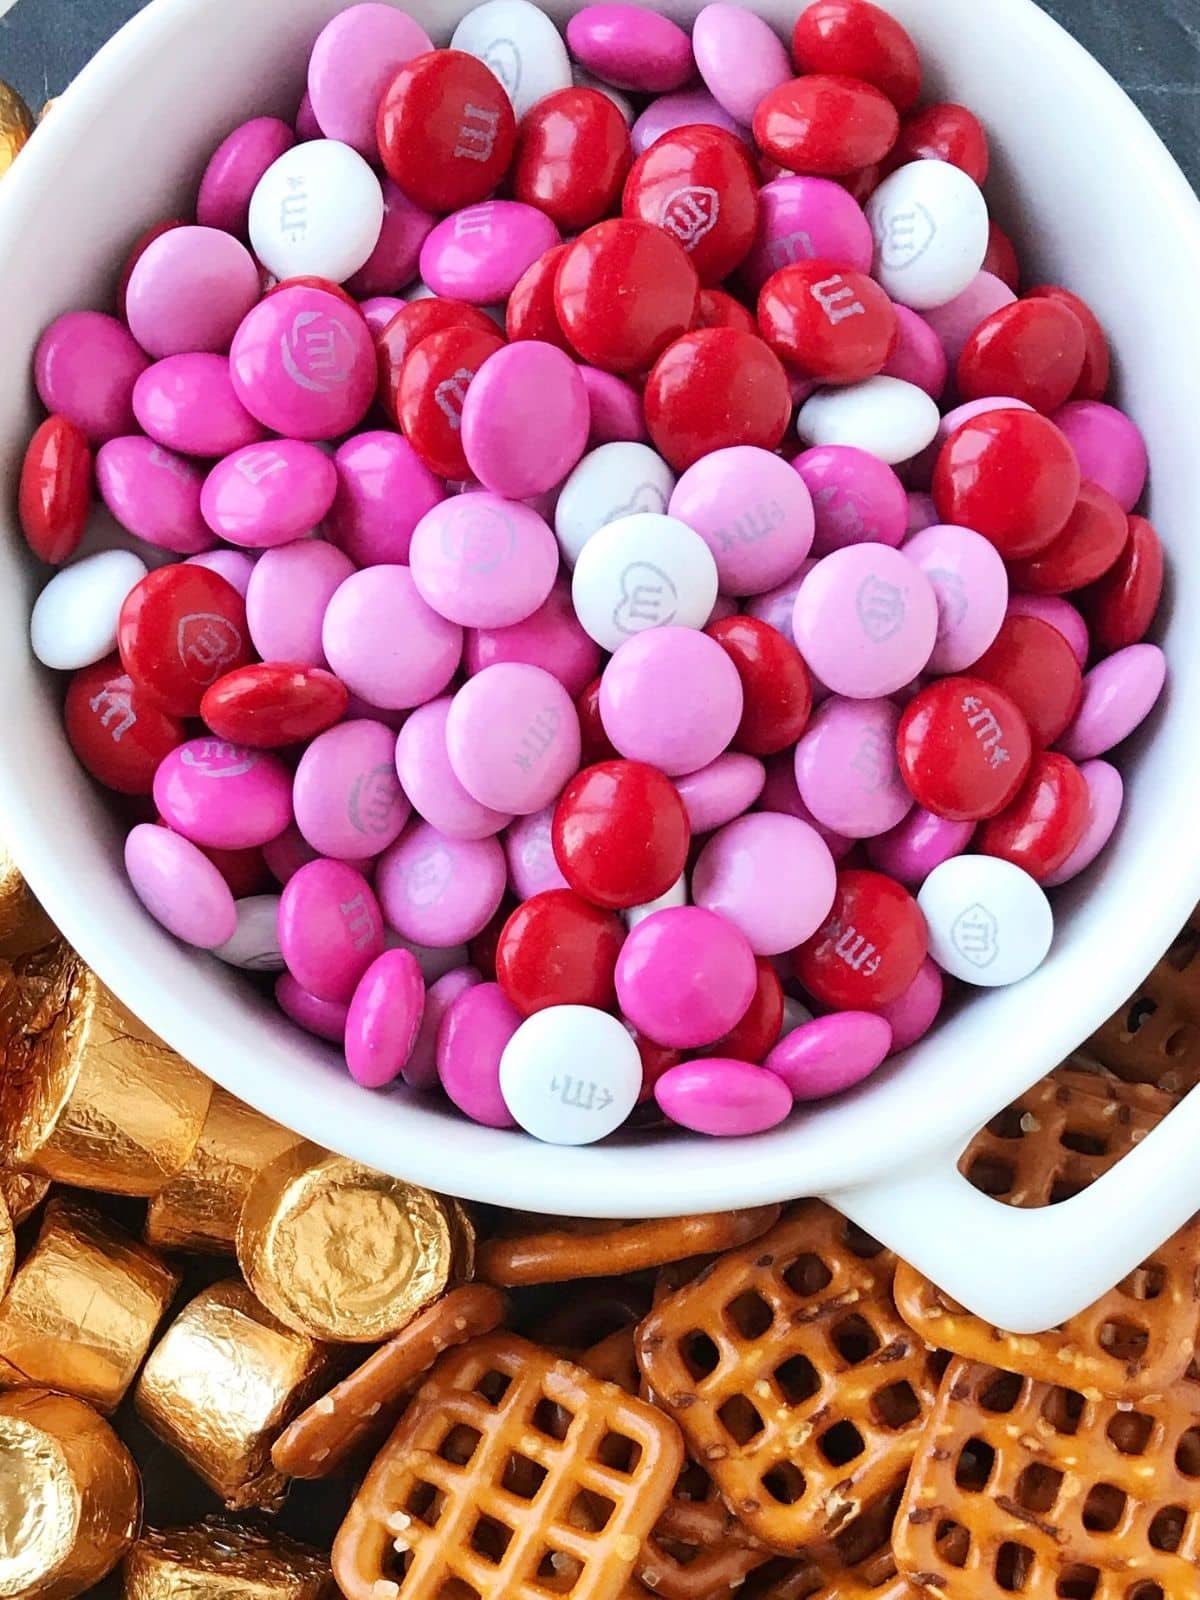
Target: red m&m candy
pixel 433 387
pixel 1032 350
pixel 964 748
pixel 55 495
pixel 776 687
pixel 446 130
pixel 831 324
pixel 573 153
pixel 531 312
pixel 716 309
pixel 596 745
pixel 825 125
pixel 715 388
pixel 1088 546
pixel 624 291
pixel 870 948
pixel 405 332
pixel 114 729
pixel 758 1031
pixel 1121 607
pixel 1043 825
pixel 620 834
pixel 699 185
pixel 1097 363
pixel 181 628
pixel 859 40
pixel 557 950
pixel 1001 258
pixel 273 704
pixel 1035 666
pixel 1010 475
pixel 945 132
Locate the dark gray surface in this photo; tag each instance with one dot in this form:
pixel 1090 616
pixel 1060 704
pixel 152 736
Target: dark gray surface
pixel 1151 46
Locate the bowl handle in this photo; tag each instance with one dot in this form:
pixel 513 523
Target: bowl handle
pixel 1026 1271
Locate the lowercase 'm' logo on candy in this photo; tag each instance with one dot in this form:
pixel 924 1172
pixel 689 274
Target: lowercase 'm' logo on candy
pixel 880 607
pixel 975 934
pixel 316 352
pixel 206 642
pixel 691 214
pixel 649 598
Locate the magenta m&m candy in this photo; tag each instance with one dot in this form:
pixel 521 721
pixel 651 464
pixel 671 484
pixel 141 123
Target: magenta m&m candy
pixel 324 1018
pixel 384 1019
pixel 685 977
pixel 304 365
pixel 830 1054
pixel 234 171
pixel 420 1071
pixel 857 498
pixel 330 929
pixel 471 1041
pixel 86 366
pixel 723 1097
pixel 550 638
pixel 525 419
pixel 187 403
pixel 154 493
pixel 383 490
pixel 223 795
pixel 269 493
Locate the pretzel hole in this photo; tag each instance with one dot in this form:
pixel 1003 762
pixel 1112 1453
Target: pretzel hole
pixel 1166 1529
pixel 750 1315
pixel 559 1572
pixel 551 1419
pixel 1184 949
pixel 1139 1013
pixel 493 1386
pixel 591 1511
pixel 740 1419
pixel 1122 1340
pixel 1103 1508
pixel 1078 1583
pixel 1187 1453
pixel 1064 1188
pixel 1130 1432
pixel 1037 1488
pixel 1146 1282
pixel 456 1589
pixel 425 1503
pixel 841 1444
pixel 854 1339
pixel 1014 1563
pixel 490 1539
pixel 1144 1591
pixel 991 1175
pixel 1006 1124
pixel 1001 1393
pixel 785 1483
pixel 952 1542
pixel 619 1451
pixel 700 1355
pixel 460 1444
pixel 974 1466
pixel 522 1476
pixel 798 1379
pixel 1084 1144
pixel 807 1275
pixel 859 1242
pixel 896 1406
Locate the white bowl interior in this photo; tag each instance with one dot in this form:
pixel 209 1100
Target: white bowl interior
pixel 1094 201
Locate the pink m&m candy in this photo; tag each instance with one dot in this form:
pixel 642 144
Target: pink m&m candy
pixel 740 58
pixel 420 1070
pixel 330 929
pixel 770 876
pixel 830 1054
pixel 393 263
pixel 355 58
pixel 781 793
pixel 440 891
pixel 85 368
pixel 483 561
pixel 1118 694
pixel 910 851
pixel 223 795
pixel 471 1040
pixel 385 643
pixel 550 637
pixel 428 779
pixel 1060 614
pixel 187 403
pixel 913 1014
pixel 513 737
pixel 956 321
pixel 683 109
pixel 970 584
pixel 480 253
pixel 616 415
pixel 154 493
pixel 631 48
pixel 525 419
pixel 325 1018
pixel 303 363
pixel 866 621
pixel 857 499
pixel 383 491
pixel 846 767
pixel 529 849
pixel 269 493
pixel 685 977
pixel 233 173
pixel 384 1018
pixel 179 886
pixel 287 596
pixel 1109 447
pixel 379 310
pixel 234 566
pixel 1106 794
pixel 723 1097
pixel 802 219
pixel 724 789
pixel 347 798
pixel 190 291
pixel 671 697
pixel 917 356
pixel 754 513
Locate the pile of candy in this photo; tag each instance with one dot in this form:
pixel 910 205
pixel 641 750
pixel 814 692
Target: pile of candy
pixel 525 728
pixel 470 1405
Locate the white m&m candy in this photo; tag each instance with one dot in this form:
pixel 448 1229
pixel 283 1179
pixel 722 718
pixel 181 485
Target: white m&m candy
pixel 255 942
pixel 520 45
pixel 615 481
pixel 316 212
pixel 930 223
pixel 74 620
pixel 886 417
pixel 676 895
pixel 990 924
pixel 570 1074
pixel 641 572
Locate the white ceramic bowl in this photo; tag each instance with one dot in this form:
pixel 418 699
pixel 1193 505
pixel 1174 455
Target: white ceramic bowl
pixel 1096 203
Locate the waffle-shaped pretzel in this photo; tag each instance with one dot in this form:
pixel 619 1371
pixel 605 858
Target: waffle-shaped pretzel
pixel 859 1564
pixel 363 1409
pixel 1026 1488
pixel 570 1249
pixel 1155 1036
pixel 795 1383
pixel 509 1474
pixel 1061 1135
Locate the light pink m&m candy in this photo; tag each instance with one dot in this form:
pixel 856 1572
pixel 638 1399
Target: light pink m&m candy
pixel 383 491
pixel 866 621
pixel 682 109
pixel 910 851
pixel 781 793
pixel 287 596
pixel 384 1018
pixel 235 566
pixel 347 798
pixel 857 499
pixel 269 493
pixel 1106 794
pixel 190 290
pixel 471 1040
pixel 303 363
pixel 428 779
pixel 771 876
pixel 223 795
pixel 740 58
pixel 233 173
pixel 385 643
pixel 356 56
pixel 685 976
pixel 179 886
pixel 846 767
pixel 722 1097
pixel 529 850
pixel 754 513
pixel 480 253
pixel 1060 614
pixel 550 638
pixel 513 737
pixel 154 493
pixel 483 561
pixel 970 584
pixel 525 419
pixel 830 1054
pixel 440 891
pixel 956 321
pixel 187 403
pixel 671 697
pixel 330 929
pixel 420 1070
pixel 802 219
pixel 724 789
pixel 1118 694
pixel 85 368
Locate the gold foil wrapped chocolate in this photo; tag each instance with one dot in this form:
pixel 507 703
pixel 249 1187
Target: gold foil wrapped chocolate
pixel 462 1239
pixel 339 1251
pixel 24 926
pixel 8 1247
pixel 199 1209
pixel 88 1096
pixel 84 1306
pixel 22 1193
pixel 70 1498
pixel 16 125
pixel 217 1560
pixel 224 1380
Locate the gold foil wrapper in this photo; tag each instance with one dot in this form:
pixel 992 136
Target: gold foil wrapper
pixel 199 1209
pixel 339 1251
pixel 88 1096
pixel 24 926
pixel 16 124
pixel 70 1498
pixel 462 1239
pixel 224 1380
pixel 8 1248
pixel 22 1193
pixel 217 1560
pixel 84 1306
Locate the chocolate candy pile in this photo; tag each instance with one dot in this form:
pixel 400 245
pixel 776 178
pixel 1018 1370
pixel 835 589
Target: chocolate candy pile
pixel 524 444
